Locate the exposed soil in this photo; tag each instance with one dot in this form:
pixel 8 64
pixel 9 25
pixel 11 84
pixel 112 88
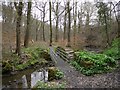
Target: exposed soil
pixel 75 79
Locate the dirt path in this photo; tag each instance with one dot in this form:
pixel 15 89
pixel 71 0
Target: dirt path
pixel 75 79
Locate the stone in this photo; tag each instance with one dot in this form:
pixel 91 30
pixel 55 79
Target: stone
pixel 51 73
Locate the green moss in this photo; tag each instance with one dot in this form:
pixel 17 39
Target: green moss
pixel 30 57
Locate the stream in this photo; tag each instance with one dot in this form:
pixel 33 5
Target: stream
pixel 25 79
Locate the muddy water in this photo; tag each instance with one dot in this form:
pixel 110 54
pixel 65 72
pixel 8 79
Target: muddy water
pixel 25 79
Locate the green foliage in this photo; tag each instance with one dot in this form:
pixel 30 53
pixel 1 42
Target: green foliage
pixel 27 64
pixel 50 85
pixel 54 74
pixel 31 56
pixel 113 51
pixel 6 67
pixel 59 74
pixel 35 57
pixel 90 63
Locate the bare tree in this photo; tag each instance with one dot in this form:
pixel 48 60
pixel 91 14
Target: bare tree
pixel 74 16
pixel 56 37
pixel 117 15
pixel 50 9
pixel 65 18
pixel 43 10
pixel 26 41
pixel 37 26
pixel 80 15
pixel 103 11
pixel 88 8
pixel 69 24
pixel 19 7
pixel 57 13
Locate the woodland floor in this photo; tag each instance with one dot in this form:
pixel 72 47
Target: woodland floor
pixel 75 79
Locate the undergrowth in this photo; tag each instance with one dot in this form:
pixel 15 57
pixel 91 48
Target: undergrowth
pixel 114 50
pixel 91 63
pixel 29 57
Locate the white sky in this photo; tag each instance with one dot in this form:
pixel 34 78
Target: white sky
pixel 36 11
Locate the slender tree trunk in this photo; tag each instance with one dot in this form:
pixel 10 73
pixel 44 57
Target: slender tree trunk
pixel 43 26
pixel 119 29
pixel 69 24
pixel 106 29
pixel 64 37
pixel 26 41
pixel 50 23
pixel 80 20
pixel 56 37
pixel 78 23
pixel 36 32
pixel 87 21
pixel 118 20
pixel 18 25
pixel 75 15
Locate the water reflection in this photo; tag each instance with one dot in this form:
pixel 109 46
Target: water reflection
pixel 27 80
pixel 39 76
pixel 24 82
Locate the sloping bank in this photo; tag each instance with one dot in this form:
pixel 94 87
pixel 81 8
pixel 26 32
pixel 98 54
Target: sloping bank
pixel 30 57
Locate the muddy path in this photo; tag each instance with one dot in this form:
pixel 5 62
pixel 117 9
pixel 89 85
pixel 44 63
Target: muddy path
pixel 75 79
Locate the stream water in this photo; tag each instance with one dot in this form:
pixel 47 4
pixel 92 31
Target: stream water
pixel 25 79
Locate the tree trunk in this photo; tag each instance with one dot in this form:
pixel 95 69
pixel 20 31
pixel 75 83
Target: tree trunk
pixel 64 37
pixel 56 37
pixel 18 25
pixel 69 24
pixel 50 23
pixel 118 21
pixel 119 29
pixel 87 21
pixel 26 41
pixel 43 25
pixel 75 15
pixel 79 22
pixel 106 29
pixel 36 32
